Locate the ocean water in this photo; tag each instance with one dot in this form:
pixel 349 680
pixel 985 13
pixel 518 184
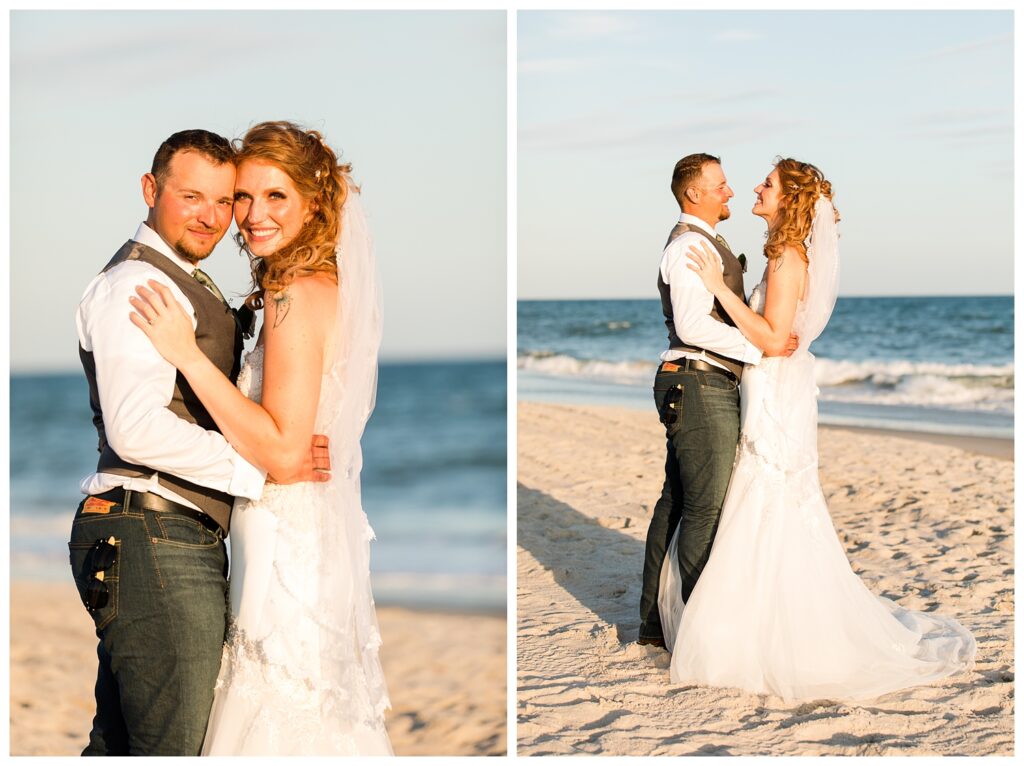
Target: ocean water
pixel 934 364
pixel 434 455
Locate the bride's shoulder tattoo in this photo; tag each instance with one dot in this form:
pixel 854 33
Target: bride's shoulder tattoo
pixel 778 262
pixel 282 301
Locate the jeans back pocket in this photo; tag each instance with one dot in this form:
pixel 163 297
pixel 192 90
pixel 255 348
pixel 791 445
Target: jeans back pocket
pixel 86 576
pixel 670 412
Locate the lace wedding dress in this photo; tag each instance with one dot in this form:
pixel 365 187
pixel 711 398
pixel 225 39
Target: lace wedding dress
pixel 300 673
pixel 274 695
pixel 778 610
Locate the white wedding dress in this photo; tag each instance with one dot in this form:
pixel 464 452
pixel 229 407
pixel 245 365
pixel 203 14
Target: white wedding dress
pixel 300 673
pixel 777 609
pixel 273 695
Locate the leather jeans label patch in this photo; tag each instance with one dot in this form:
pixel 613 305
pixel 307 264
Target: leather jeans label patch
pixel 96 505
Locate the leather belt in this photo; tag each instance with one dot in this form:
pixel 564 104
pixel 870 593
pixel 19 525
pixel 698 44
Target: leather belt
pixel 685 365
pixel 148 501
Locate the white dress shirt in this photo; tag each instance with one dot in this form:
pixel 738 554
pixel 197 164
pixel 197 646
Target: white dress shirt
pixel 136 384
pixel 692 303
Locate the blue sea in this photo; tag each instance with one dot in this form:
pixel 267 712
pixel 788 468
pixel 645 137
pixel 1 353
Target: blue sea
pixel 930 364
pixel 434 486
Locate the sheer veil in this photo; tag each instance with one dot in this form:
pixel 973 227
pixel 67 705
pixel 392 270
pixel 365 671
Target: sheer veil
pixel 822 274
pixel 345 601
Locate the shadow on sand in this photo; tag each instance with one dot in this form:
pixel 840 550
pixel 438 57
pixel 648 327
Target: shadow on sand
pixel 599 565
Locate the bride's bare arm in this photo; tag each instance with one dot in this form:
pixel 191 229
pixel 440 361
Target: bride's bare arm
pixel 771 332
pixel 277 433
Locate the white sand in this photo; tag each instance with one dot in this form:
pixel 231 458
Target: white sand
pixel 446 676
pixel 928 525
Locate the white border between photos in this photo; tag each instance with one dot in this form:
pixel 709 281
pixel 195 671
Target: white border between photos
pixel 5 383
pixel 511 455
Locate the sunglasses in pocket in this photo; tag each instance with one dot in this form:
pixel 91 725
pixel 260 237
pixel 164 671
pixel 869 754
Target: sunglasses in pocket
pixel 671 406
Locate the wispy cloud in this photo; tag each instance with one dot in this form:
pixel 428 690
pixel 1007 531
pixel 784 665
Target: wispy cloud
pixel 1000 169
pixel 960 114
pixel 696 114
pixel 550 66
pixel 961 49
pixel 588 134
pixel 182 47
pixel 741 96
pixel 593 26
pixel 967 132
pixel 737 36
pixel 961 124
pixel 693 100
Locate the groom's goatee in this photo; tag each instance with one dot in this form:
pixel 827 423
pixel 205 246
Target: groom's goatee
pixel 194 254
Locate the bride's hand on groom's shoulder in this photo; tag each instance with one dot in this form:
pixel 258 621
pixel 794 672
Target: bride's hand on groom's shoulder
pixel 707 266
pixel 159 315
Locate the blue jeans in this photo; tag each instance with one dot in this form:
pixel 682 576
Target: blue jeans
pixel 701 414
pixel 161 631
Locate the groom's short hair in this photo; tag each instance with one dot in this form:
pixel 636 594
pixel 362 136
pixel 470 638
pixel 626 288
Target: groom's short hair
pixel 215 148
pixel 687 172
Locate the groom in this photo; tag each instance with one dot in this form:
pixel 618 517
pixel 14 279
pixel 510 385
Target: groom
pixel 147 543
pixel 696 389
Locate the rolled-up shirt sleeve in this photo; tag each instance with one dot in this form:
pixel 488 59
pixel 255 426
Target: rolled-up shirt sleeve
pixel 136 384
pixel 691 306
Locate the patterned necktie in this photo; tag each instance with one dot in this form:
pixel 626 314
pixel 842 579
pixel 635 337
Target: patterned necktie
pixel 244 317
pixel 206 282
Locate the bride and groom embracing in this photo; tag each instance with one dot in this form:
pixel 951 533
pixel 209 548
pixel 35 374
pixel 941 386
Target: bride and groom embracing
pixel 745 580
pixel 285 661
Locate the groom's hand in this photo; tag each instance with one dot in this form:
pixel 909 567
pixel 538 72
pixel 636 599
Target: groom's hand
pixel 791 345
pixel 317 466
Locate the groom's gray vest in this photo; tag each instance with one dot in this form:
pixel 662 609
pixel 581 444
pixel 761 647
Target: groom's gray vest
pixel 217 336
pixel 733 280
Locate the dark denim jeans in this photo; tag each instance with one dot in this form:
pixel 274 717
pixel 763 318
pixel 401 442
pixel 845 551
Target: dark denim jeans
pixel 702 429
pixel 161 632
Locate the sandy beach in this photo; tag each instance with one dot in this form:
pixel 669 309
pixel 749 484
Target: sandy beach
pixel 926 522
pixel 446 676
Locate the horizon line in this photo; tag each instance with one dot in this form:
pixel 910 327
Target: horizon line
pixel 384 362
pixel 894 295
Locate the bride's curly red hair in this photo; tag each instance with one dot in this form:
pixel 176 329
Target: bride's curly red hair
pixel 801 185
pixel 321 180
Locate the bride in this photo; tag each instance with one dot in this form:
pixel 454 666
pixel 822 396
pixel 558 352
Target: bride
pixel 300 673
pixel 778 610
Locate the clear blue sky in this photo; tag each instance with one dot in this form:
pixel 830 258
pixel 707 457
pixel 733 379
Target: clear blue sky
pixel 909 113
pixel 415 100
